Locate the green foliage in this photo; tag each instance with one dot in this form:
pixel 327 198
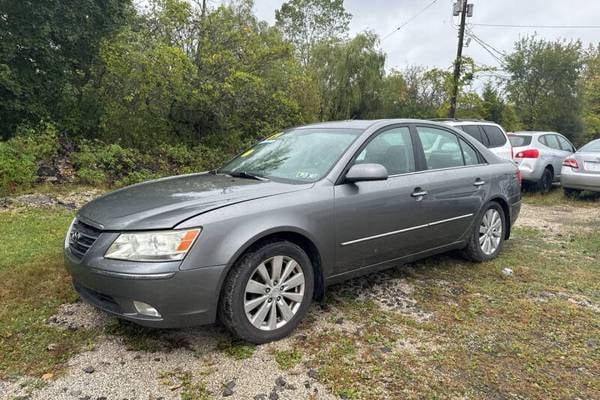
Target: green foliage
pixel 306 23
pixel 350 76
pixel 47 50
pixel 543 84
pixel 21 156
pixel 590 89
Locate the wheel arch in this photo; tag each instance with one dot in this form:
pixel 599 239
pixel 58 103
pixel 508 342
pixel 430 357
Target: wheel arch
pixel 290 234
pixel 503 203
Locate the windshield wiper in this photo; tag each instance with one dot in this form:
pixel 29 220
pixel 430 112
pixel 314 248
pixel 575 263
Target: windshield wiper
pixel 246 175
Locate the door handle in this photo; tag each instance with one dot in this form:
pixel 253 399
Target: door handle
pixel 419 193
pixel 478 182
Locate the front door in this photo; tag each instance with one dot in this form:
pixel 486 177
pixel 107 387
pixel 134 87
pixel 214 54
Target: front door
pixel 370 216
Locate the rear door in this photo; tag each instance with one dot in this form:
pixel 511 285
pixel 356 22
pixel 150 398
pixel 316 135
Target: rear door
pixel 455 179
pixel 556 152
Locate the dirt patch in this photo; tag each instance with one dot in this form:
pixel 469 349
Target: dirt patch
pixel 558 219
pixel 576 299
pixel 71 200
pixel 389 292
pixel 79 316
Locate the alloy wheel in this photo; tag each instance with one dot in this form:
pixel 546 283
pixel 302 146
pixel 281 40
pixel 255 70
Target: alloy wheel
pixel 274 293
pixel 490 231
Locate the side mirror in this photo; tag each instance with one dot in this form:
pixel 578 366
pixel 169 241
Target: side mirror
pixel 366 172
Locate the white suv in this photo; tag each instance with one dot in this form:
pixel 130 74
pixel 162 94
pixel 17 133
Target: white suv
pixel 490 134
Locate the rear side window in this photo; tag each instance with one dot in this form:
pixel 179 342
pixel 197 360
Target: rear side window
pixel 518 141
pixel 552 141
pixel 473 131
pixel 441 148
pixel 495 135
pixel 565 144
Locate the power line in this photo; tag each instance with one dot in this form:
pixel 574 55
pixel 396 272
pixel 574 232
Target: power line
pixel 474 36
pixel 539 26
pixel 409 20
pixel 485 47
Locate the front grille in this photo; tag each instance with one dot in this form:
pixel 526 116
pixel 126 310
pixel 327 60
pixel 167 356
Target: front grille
pixel 81 238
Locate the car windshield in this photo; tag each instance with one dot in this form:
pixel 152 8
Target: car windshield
pixel 520 140
pixel 591 147
pixel 298 155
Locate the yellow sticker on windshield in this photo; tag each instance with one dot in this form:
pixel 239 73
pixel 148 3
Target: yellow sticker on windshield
pixel 247 153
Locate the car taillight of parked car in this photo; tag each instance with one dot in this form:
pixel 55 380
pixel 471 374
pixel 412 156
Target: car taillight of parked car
pixel 529 153
pixel 570 162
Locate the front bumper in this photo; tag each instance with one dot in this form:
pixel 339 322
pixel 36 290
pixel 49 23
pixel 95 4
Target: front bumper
pixel 579 180
pixel 182 298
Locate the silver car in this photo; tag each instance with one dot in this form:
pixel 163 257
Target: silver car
pixel 539 156
pixel 252 243
pixel 581 171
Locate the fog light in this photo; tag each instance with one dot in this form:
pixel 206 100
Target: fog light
pixel 145 309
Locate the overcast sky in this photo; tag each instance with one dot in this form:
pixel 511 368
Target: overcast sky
pixel 431 38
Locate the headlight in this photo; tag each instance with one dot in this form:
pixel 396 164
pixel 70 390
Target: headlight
pixel 153 246
pixel 68 236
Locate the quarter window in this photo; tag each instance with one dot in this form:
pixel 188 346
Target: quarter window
pixel 565 144
pixel 441 148
pixel 469 153
pixel 495 135
pixel 392 149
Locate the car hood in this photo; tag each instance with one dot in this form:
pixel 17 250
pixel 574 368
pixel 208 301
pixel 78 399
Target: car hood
pixel 164 203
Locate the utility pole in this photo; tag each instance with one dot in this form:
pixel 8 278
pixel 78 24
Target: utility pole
pixel 464 10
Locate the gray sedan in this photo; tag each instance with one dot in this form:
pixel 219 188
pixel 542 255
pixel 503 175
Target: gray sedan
pixel 252 243
pixel 581 171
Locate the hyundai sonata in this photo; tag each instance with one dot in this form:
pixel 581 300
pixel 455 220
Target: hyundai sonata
pixel 252 243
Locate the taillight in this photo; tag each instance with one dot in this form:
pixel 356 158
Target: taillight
pixel 570 162
pixel 529 153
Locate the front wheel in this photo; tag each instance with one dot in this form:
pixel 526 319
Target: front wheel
pixel 267 292
pixel 487 238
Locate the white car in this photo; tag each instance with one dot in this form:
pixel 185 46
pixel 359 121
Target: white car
pixel 490 134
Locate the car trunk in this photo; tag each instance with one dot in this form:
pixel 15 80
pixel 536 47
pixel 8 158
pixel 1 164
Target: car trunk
pixel 588 162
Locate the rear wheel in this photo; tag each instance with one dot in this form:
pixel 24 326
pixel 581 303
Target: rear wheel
pixel 487 238
pixel 571 192
pixel 545 183
pixel 267 292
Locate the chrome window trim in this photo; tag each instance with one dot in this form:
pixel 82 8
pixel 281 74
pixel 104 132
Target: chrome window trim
pixel 412 228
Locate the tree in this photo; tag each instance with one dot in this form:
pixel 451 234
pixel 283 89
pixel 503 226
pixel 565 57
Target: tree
pixel 350 76
pixel 47 50
pixel 543 84
pixel 590 90
pixel 307 22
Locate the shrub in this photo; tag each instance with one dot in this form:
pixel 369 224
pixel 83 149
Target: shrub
pixel 21 156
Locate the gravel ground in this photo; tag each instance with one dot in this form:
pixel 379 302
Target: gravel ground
pixel 72 200
pixel 558 219
pixel 111 370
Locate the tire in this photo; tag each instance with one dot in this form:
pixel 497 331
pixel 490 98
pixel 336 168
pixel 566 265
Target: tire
pixel 476 250
pixel 262 292
pixel 571 192
pixel 544 185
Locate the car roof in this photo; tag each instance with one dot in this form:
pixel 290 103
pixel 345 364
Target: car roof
pixel 534 133
pixel 364 123
pixel 457 121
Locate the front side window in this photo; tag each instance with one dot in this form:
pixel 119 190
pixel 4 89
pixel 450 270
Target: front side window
pixel 495 135
pixel 441 148
pixel 299 155
pixel 392 149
